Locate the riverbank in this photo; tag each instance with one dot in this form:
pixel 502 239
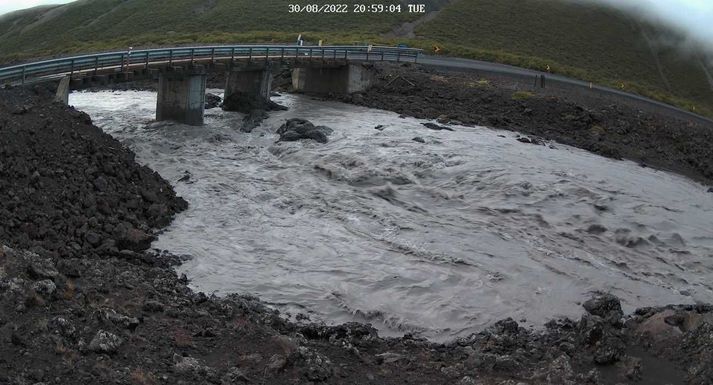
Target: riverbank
pixel 84 301
pixel 597 123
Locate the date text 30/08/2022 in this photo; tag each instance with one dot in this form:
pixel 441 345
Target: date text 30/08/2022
pixel 356 8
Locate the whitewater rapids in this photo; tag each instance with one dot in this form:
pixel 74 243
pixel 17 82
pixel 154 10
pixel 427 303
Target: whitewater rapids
pixel 438 239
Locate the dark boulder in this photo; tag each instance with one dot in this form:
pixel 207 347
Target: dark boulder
pixel 212 101
pixel 606 306
pixel 298 129
pixel 436 127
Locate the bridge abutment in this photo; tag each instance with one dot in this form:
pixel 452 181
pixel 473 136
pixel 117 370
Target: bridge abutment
pixel 181 95
pixel 332 79
pixel 248 88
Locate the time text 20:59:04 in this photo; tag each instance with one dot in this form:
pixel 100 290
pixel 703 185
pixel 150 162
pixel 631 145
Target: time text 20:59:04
pixel 356 8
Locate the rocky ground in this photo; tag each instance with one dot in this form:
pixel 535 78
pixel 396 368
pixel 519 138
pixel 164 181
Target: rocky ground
pixel 599 124
pixel 83 301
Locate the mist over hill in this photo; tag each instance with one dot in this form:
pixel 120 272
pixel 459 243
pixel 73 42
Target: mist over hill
pixel 582 39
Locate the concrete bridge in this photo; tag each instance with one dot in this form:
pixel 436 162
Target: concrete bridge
pixel 182 73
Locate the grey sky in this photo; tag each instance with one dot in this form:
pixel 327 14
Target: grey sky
pixel 692 16
pixel 13 5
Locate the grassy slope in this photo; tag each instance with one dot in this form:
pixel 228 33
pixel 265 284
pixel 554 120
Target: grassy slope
pixel 586 42
pixel 143 22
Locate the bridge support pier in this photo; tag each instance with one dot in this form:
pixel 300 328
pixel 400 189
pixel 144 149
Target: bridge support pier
pixel 62 95
pixel 334 79
pixel 181 96
pixel 248 88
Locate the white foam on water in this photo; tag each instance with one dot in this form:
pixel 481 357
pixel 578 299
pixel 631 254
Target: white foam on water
pixel 438 239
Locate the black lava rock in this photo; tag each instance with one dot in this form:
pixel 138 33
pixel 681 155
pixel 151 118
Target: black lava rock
pixel 298 129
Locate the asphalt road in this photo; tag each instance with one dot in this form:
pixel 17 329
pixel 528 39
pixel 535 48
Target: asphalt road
pixel 506 70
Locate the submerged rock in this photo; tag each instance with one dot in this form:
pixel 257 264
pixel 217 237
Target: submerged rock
pixel 298 129
pixel 252 120
pixel 436 127
pixel 212 101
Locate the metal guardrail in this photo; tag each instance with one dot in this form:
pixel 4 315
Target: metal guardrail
pixel 120 61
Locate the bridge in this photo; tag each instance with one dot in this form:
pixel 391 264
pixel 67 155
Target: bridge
pixel 182 73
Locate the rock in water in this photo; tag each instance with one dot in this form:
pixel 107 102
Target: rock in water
pixel 436 127
pixel 298 129
pixel 419 139
pixel 252 120
pixel 212 101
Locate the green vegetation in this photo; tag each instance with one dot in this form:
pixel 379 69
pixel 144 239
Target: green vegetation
pixel 521 95
pixel 576 39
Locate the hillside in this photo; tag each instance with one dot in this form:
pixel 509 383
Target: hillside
pixel 583 41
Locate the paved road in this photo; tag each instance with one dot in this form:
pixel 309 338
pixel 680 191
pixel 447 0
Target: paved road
pixel 467 64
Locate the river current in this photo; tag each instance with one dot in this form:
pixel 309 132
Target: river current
pixel 438 239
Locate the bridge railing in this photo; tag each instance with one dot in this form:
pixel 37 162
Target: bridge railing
pixel 125 60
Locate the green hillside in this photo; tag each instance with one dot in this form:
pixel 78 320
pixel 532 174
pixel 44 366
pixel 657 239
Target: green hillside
pixel 578 39
pixel 584 41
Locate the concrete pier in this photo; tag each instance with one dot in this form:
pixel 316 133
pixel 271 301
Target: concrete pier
pixel 248 88
pixel 181 95
pixel 334 79
pixel 62 94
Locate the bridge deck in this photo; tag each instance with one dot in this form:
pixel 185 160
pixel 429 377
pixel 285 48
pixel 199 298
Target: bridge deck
pixel 119 62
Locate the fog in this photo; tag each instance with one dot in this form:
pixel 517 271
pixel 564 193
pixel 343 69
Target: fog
pixel 692 17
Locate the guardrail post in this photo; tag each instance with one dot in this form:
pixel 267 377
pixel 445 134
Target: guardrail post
pixel 24 70
pixel 147 60
pixel 346 54
pixel 398 56
pixel 282 54
pixel 297 53
pixel 170 57
pixel 310 54
pixel 232 55
pixel 334 54
pixel 121 66
pixel 71 68
pixel 193 53
pixel 382 55
pixel 96 64
pixel 250 55
pixel 367 54
pixel 212 55
pixel 267 54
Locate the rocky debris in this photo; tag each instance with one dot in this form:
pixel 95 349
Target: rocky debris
pixel 298 129
pixel 380 127
pixel 419 139
pixel 606 306
pixel 212 101
pixel 39 267
pixel 105 342
pixel 85 187
pixel 436 127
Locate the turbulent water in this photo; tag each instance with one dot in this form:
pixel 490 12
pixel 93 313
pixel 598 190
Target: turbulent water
pixel 437 239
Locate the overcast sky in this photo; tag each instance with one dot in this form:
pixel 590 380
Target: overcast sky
pixel 693 16
pixel 13 5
